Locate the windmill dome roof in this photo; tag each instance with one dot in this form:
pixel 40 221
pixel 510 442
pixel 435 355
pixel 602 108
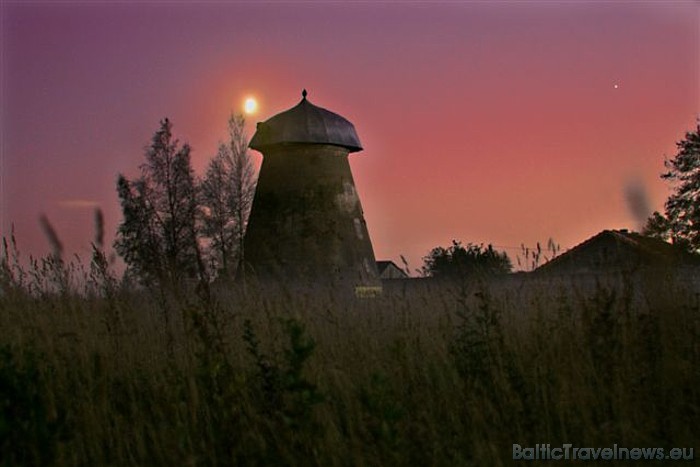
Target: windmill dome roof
pixel 308 124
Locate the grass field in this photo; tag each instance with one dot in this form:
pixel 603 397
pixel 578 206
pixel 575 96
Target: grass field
pixel 94 372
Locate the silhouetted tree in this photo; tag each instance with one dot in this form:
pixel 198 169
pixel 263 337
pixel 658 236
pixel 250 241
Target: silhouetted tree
pixel 680 222
pixel 158 234
pixel 227 192
pixel 458 261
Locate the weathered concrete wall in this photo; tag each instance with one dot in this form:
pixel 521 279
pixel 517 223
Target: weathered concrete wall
pixel 307 222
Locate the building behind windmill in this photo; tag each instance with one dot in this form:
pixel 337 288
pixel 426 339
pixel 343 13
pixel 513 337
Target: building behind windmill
pixel 306 223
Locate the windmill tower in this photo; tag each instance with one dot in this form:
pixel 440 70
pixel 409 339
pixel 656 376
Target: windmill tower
pixel 306 224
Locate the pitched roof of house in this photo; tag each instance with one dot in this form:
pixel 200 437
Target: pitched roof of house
pixel 382 266
pixel 619 250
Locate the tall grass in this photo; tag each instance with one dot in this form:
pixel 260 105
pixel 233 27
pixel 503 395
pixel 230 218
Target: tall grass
pixel 94 372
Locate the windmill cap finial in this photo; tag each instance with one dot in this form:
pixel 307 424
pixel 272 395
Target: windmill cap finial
pixel 304 93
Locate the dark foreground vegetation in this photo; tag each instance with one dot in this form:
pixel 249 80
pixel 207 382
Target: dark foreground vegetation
pixel 94 372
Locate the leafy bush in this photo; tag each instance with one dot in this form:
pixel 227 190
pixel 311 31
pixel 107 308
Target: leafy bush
pixel 458 261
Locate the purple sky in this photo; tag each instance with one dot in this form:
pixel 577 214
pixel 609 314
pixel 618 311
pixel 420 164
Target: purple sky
pixel 500 122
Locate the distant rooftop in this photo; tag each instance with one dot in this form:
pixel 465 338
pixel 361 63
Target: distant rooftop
pixel 389 270
pixel 308 124
pixel 619 250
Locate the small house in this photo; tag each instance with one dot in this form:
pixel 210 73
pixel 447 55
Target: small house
pixel 389 270
pixel 618 251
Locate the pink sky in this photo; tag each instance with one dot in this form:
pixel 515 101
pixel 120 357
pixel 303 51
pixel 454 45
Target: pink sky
pixel 486 122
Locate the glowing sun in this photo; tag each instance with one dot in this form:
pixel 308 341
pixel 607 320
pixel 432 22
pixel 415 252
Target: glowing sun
pixel 250 105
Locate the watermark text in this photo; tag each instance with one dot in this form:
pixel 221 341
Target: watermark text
pixel 568 451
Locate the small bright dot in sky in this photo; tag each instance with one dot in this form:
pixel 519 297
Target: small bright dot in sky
pixel 250 105
pixel 616 86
